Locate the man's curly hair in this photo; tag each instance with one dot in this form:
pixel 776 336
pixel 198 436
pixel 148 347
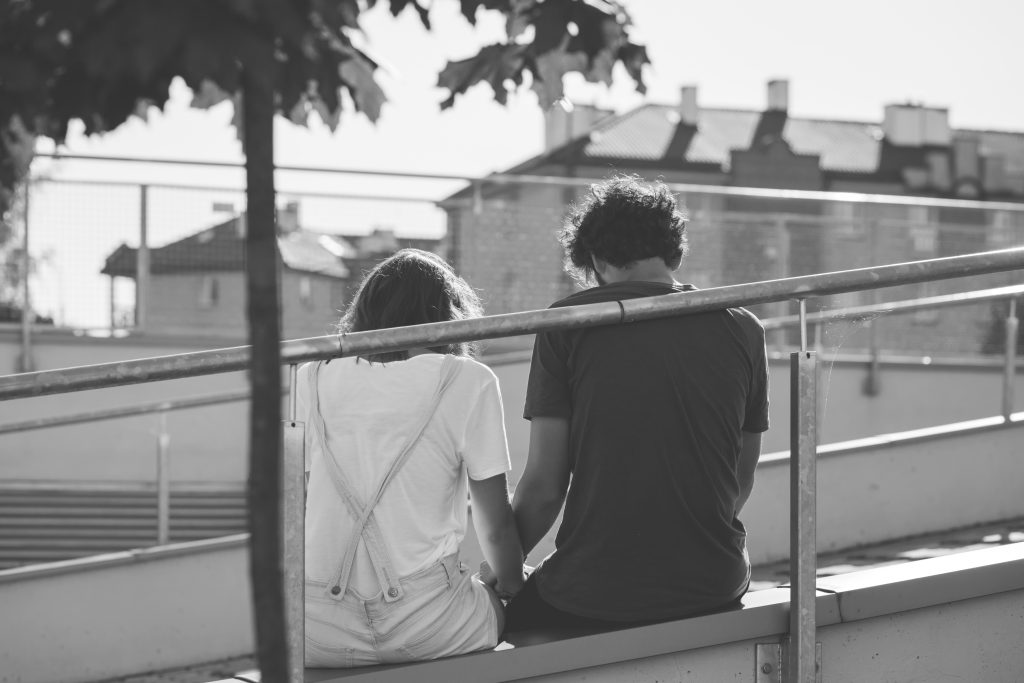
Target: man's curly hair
pixel 620 221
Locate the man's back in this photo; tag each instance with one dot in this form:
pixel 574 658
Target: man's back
pixel 655 412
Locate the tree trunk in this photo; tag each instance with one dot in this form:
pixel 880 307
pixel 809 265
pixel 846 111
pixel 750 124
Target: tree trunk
pixel 263 296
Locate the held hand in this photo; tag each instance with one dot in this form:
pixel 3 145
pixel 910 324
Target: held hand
pixel 487 575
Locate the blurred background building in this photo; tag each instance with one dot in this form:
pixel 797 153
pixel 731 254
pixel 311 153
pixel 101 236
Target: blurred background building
pixel 502 234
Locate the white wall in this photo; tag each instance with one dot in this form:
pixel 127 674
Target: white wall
pixel 123 615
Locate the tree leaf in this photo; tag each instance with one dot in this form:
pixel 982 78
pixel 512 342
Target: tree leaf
pixel 208 95
pixel 520 17
pixel 337 14
pixel 548 71
pixel 494 64
pixel 470 7
pixel 398 5
pixel 357 73
pixel 633 57
pixel 551 22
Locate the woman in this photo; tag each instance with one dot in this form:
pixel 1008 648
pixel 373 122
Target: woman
pixel 391 438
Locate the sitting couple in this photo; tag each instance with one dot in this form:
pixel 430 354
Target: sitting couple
pixel 657 424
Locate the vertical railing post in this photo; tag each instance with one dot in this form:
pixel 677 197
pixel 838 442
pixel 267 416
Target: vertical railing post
pixel 1010 367
pixel 782 271
pixel 803 513
pixel 25 361
pixel 142 269
pixel 872 383
pixel 163 483
pixel 293 512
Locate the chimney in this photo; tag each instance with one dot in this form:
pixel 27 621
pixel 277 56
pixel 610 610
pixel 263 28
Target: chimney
pixel 689 110
pixel 914 125
pixel 778 95
pixel 568 122
pixel 288 218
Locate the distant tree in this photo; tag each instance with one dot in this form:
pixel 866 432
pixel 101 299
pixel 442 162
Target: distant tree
pixel 101 61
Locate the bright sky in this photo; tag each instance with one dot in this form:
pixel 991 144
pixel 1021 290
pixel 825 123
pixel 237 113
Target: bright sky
pixel 843 60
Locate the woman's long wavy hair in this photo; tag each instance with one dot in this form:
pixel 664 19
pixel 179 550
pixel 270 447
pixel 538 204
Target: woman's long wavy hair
pixel 411 288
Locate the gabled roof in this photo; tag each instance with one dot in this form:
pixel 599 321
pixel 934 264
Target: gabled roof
pixel 652 136
pixel 222 248
pixel 646 133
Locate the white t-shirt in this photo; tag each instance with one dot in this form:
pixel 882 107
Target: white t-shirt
pixel 370 410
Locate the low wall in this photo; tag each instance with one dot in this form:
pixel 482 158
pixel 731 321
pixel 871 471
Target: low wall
pixel 127 613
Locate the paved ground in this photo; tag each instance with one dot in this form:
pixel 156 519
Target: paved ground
pixel 765 576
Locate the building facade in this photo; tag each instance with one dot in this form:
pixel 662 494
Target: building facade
pixel 196 285
pixel 967 185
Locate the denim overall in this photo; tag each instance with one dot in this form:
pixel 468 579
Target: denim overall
pixel 437 611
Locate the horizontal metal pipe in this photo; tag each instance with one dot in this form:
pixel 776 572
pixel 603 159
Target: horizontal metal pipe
pixel 907 306
pixel 511 324
pixel 560 181
pixel 128 411
pixel 302 194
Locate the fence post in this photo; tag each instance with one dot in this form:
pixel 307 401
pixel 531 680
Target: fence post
pixel 803 513
pixel 1010 368
pixel 293 513
pixel 163 483
pixel 142 261
pixel 781 271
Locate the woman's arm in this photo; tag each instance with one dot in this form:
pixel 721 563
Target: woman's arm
pixel 496 530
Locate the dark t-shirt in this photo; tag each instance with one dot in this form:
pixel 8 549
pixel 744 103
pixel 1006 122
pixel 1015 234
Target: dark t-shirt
pixel 656 410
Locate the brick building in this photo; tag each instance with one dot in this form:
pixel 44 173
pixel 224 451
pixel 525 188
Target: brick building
pixel 502 234
pixel 197 284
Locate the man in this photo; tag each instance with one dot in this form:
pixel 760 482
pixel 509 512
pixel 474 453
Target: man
pixel 657 424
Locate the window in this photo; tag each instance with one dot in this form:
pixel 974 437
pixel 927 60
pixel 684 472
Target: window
pixel 209 292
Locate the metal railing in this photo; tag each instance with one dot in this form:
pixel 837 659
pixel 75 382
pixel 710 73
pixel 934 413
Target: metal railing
pixel 161 408
pixel 801 649
pixel 163 440
pixel 780 240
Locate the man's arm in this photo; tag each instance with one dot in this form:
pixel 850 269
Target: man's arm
pixel 541 492
pixel 750 452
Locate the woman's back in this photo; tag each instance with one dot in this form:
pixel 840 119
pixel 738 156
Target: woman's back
pixel 370 411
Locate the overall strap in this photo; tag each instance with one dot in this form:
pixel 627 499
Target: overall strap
pixel 373 535
pixel 366 526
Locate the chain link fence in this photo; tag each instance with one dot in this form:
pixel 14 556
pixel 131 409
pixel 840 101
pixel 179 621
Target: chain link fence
pixel 167 258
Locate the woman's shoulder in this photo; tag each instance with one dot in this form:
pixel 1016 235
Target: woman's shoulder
pixel 474 368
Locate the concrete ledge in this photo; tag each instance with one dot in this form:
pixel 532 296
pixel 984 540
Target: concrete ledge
pixel 924 583
pixel 764 615
pixel 124 614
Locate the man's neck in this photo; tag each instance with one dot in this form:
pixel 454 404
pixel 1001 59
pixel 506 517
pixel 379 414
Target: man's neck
pixel 645 270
